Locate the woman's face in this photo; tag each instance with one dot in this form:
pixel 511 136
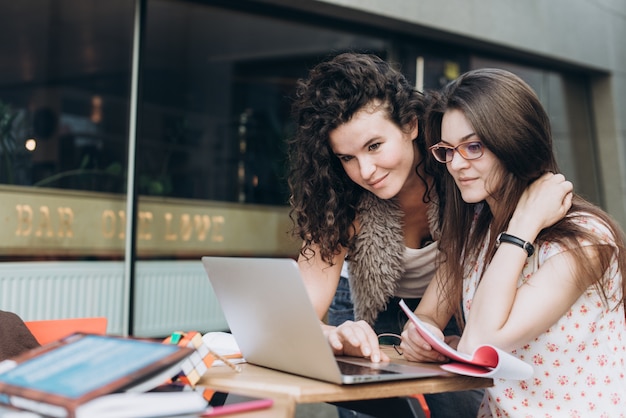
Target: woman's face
pixel 374 152
pixel 474 178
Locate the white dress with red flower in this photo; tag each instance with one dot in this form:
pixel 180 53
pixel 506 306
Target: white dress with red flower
pixel 579 363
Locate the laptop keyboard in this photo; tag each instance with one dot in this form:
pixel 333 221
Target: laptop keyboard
pixel 350 369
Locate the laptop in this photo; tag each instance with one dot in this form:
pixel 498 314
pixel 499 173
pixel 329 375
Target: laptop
pixel 269 313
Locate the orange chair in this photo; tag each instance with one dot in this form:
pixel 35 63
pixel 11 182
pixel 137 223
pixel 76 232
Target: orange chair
pixel 422 401
pixel 48 330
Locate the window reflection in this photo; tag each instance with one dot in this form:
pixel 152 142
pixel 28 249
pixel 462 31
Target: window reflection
pixel 215 110
pixel 215 89
pixel 214 105
pixel 64 93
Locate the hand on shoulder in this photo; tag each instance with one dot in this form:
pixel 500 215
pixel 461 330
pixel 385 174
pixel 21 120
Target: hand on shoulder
pixel 543 203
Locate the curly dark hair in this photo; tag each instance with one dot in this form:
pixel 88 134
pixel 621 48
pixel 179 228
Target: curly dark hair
pixel 323 198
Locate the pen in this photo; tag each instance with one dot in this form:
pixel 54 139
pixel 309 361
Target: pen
pixel 233 366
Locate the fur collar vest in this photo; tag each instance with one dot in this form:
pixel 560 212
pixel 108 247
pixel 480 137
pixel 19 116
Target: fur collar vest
pixel 377 254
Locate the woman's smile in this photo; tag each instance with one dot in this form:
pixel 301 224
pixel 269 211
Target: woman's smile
pixel 378 183
pixel 375 153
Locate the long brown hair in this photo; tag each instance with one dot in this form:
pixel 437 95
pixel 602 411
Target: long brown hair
pixel 509 119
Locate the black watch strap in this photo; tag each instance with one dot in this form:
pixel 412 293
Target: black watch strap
pixel 512 239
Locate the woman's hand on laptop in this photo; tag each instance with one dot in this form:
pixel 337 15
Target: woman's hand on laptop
pixel 356 339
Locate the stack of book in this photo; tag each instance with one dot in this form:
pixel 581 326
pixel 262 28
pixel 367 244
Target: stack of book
pixel 87 375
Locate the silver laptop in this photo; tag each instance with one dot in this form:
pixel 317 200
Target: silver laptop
pixel 268 310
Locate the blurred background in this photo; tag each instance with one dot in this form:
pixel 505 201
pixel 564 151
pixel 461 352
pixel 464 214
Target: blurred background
pixel 138 136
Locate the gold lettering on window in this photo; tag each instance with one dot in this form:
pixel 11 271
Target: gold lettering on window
pixel 66 218
pixel 44 225
pixel 108 224
pixel 186 229
pixel 144 225
pixel 216 233
pixel 51 222
pixel 122 228
pixel 24 220
pixel 169 235
pixel 202 225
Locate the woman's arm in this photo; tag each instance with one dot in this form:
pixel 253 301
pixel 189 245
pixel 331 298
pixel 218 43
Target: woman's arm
pixel 503 314
pixel 321 280
pixel 507 316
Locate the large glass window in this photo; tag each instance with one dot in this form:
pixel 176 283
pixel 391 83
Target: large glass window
pixel 216 89
pixel 64 93
pixel 64 88
pixel 213 115
pixel 215 83
pixel 64 118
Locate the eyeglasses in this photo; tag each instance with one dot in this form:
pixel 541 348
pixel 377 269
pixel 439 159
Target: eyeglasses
pixel 469 150
pixel 390 339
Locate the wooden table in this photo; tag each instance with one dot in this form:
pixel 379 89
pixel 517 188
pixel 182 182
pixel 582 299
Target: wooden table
pixel 287 390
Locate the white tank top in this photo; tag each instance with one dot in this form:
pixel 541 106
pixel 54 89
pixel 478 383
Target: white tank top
pixel 419 267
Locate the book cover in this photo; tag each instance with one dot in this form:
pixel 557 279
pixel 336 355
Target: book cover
pixel 58 377
pixel 485 361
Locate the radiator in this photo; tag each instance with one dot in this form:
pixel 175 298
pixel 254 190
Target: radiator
pixel 170 295
pixel 175 296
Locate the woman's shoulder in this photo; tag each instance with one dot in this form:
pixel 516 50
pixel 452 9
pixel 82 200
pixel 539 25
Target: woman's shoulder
pixel 594 230
pixel 594 224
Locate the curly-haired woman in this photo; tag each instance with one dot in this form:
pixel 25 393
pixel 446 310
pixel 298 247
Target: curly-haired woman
pixel 363 194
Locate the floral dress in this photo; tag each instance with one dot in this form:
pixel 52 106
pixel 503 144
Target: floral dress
pixel 579 362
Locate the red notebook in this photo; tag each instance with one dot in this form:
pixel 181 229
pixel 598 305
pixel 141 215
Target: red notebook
pixel 485 361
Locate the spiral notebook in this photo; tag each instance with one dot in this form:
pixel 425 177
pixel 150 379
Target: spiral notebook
pixel 268 310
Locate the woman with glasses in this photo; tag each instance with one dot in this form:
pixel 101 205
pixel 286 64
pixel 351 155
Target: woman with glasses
pixel 362 190
pixel 530 266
